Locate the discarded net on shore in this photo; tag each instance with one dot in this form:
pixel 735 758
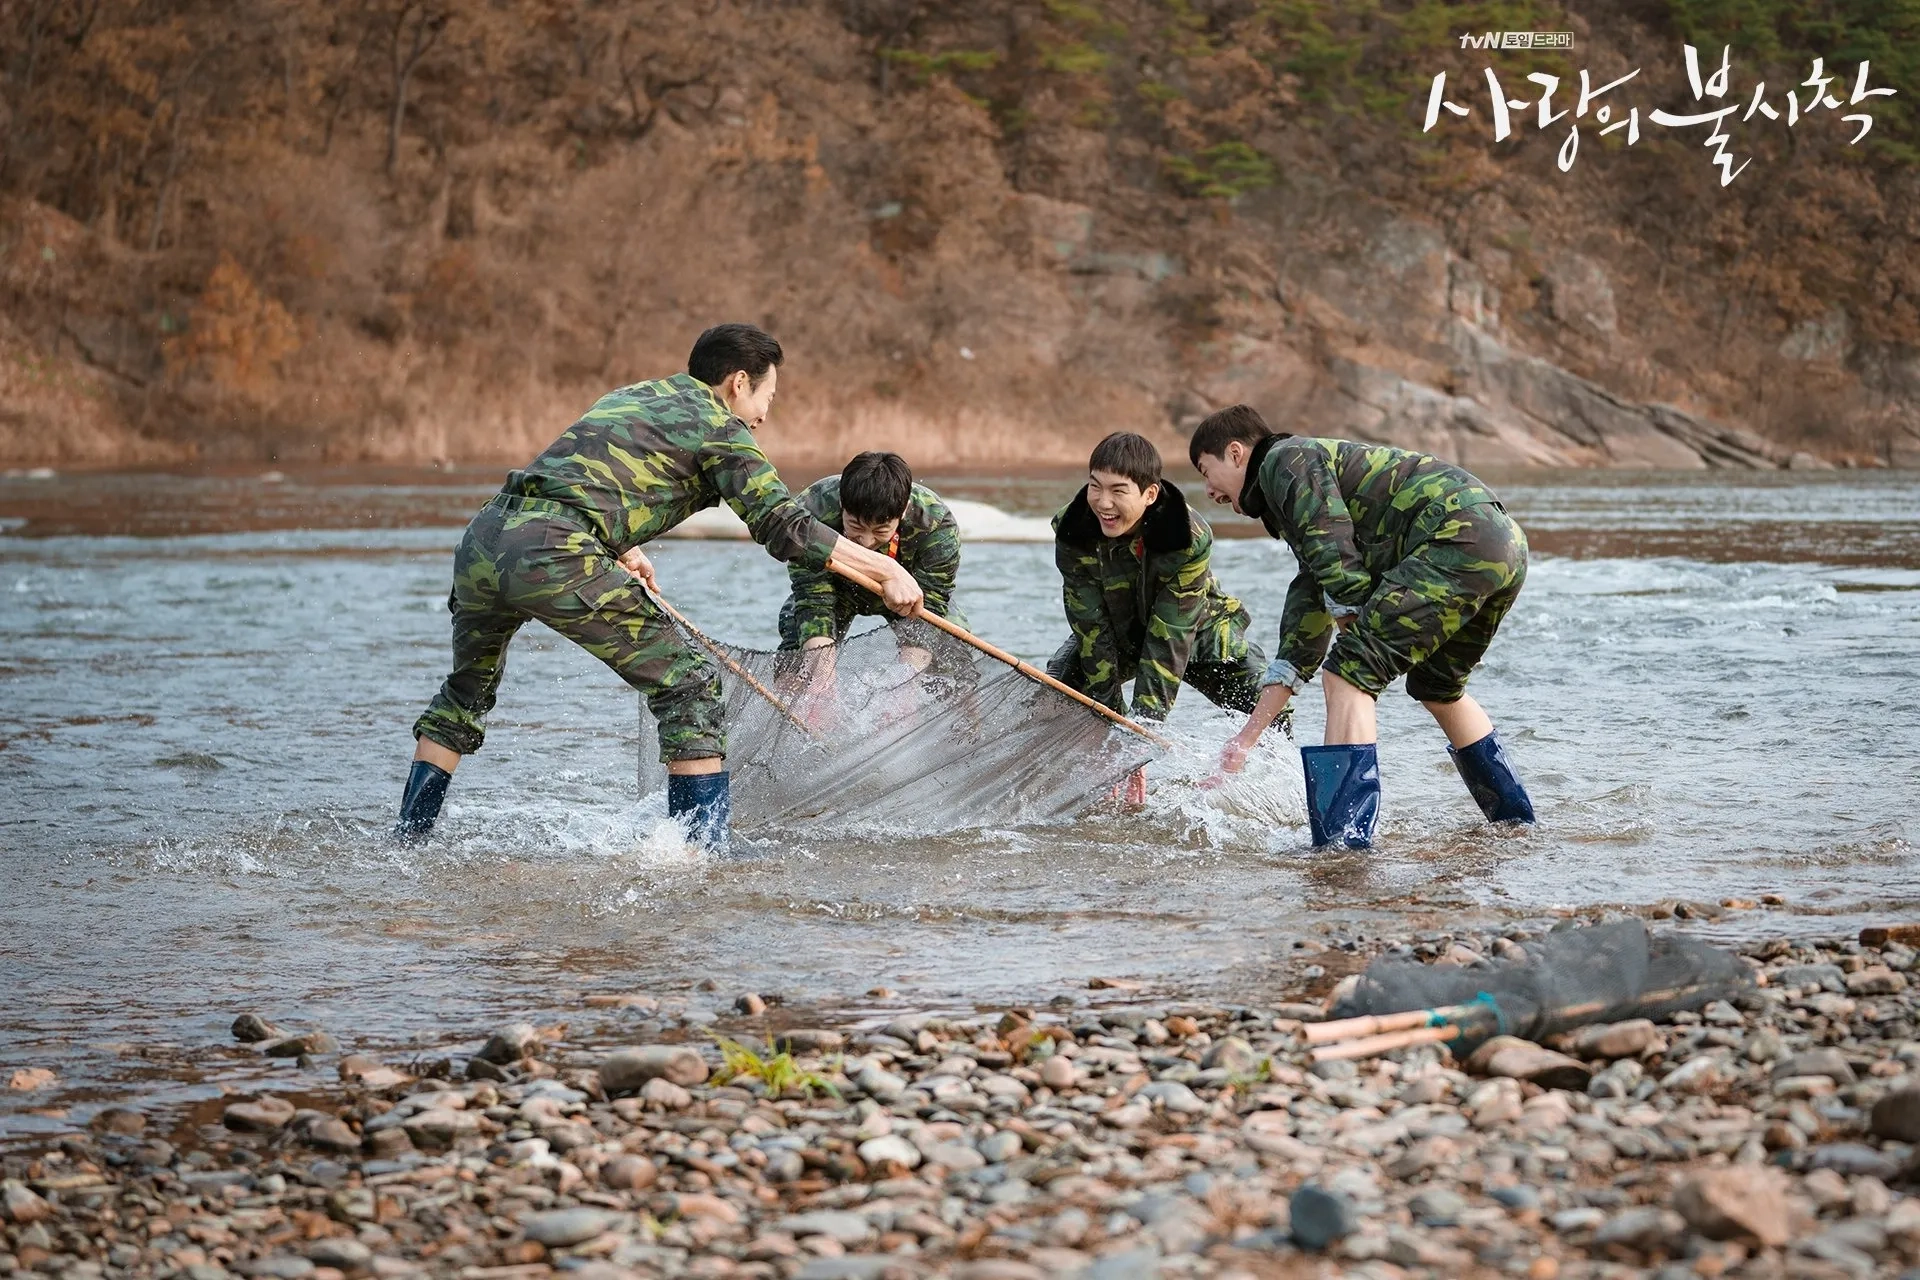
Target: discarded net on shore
pixel 1572 977
pixel 966 743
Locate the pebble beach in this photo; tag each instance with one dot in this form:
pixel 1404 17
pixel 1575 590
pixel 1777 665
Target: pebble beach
pixel 1096 1134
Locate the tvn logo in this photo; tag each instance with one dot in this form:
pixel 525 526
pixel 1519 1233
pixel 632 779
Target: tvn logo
pixel 1518 40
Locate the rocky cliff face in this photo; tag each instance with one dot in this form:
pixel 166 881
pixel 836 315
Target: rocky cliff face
pixel 988 235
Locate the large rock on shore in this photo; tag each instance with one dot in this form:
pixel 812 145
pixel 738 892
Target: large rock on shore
pixel 1727 1204
pixel 628 1070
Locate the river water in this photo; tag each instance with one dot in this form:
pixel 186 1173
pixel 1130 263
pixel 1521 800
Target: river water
pixel 206 684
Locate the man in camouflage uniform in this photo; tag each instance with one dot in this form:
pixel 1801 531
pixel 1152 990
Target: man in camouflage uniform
pixel 875 502
pixel 1140 594
pixel 1414 562
pixel 561 544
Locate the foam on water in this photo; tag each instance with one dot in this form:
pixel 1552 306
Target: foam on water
pixel 978 522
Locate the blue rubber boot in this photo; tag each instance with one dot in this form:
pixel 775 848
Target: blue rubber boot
pixel 707 800
pixel 1343 793
pixel 1490 779
pixel 420 802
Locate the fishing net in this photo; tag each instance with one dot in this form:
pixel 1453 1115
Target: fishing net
pixel 962 742
pixel 1570 978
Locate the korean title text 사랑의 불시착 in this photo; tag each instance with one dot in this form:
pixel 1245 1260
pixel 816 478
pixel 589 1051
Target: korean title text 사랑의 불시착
pixel 1713 89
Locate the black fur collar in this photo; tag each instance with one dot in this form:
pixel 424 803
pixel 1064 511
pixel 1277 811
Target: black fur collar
pixel 1253 502
pixel 1166 526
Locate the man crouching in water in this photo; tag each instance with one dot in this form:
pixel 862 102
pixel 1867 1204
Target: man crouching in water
pixel 561 543
pixel 1415 561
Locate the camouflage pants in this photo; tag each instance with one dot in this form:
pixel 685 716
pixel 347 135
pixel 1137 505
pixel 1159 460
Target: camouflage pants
pixel 1224 666
pixel 1433 615
pixel 526 558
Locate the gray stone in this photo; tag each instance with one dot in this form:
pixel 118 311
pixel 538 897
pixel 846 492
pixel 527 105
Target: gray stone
pixel 266 1114
pixel 1646 1228
pixel 835 1224
pixel 1877 980
pixel 442 1126
pixel 281 1266
pixel 560 1228
pixel 1830 1063
pixel 1897 1116
pixel 890 1147
pixel 1521 1197
pixel 1134 1264
pixel 18 1204
pixel 301 1046
pixel 510 1044
pixel 339 1251
pixel 1853 1160
pixel 1695 1075
pixel 1764 1046
pixel 853 1266
pixel 1231 1053
pixel 1613 1039
pixel 1568 1221
pixel 628 1070
pixel 1173 1097
pixel 1001 1147
pixel 1319 1217
pixel 250 1028
pixel 880 1084
pixel 957 1157
pixel 665 1094
pixel 1437 1207
pixel 331 1134
pixel 1517 1059
pixel 1617 1080
pixel 1727 1203
pixel 809 1040
pixel 1828 977
pixel 1722 1014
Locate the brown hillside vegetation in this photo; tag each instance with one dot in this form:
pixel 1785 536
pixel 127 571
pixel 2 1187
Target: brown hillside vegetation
pixel 987 232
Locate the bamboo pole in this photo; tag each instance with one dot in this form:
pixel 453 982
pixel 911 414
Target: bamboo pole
pixel 1348 1028
pixel 965 636
pixel 733 666
pixel 1373 1046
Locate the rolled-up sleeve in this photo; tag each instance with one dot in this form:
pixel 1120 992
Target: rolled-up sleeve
pixel 1306 629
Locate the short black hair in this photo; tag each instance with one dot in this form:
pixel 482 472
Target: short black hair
pixel 875 487
pixel 1126 454
pixel 1241 422
pixel 727 348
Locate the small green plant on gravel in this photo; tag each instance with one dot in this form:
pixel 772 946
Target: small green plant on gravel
pixel 779 1073
pixel 1262 1073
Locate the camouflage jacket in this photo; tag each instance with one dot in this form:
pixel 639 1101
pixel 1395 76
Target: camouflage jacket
pixel 1350 512
pixel 647 456
pixel 1138 601
pixel 927 546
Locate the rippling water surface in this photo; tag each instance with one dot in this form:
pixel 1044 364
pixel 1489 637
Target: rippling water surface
pixel 206 685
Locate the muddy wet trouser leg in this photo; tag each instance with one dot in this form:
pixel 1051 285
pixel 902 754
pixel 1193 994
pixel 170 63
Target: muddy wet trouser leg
pixel 456 718
pixel 603 609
